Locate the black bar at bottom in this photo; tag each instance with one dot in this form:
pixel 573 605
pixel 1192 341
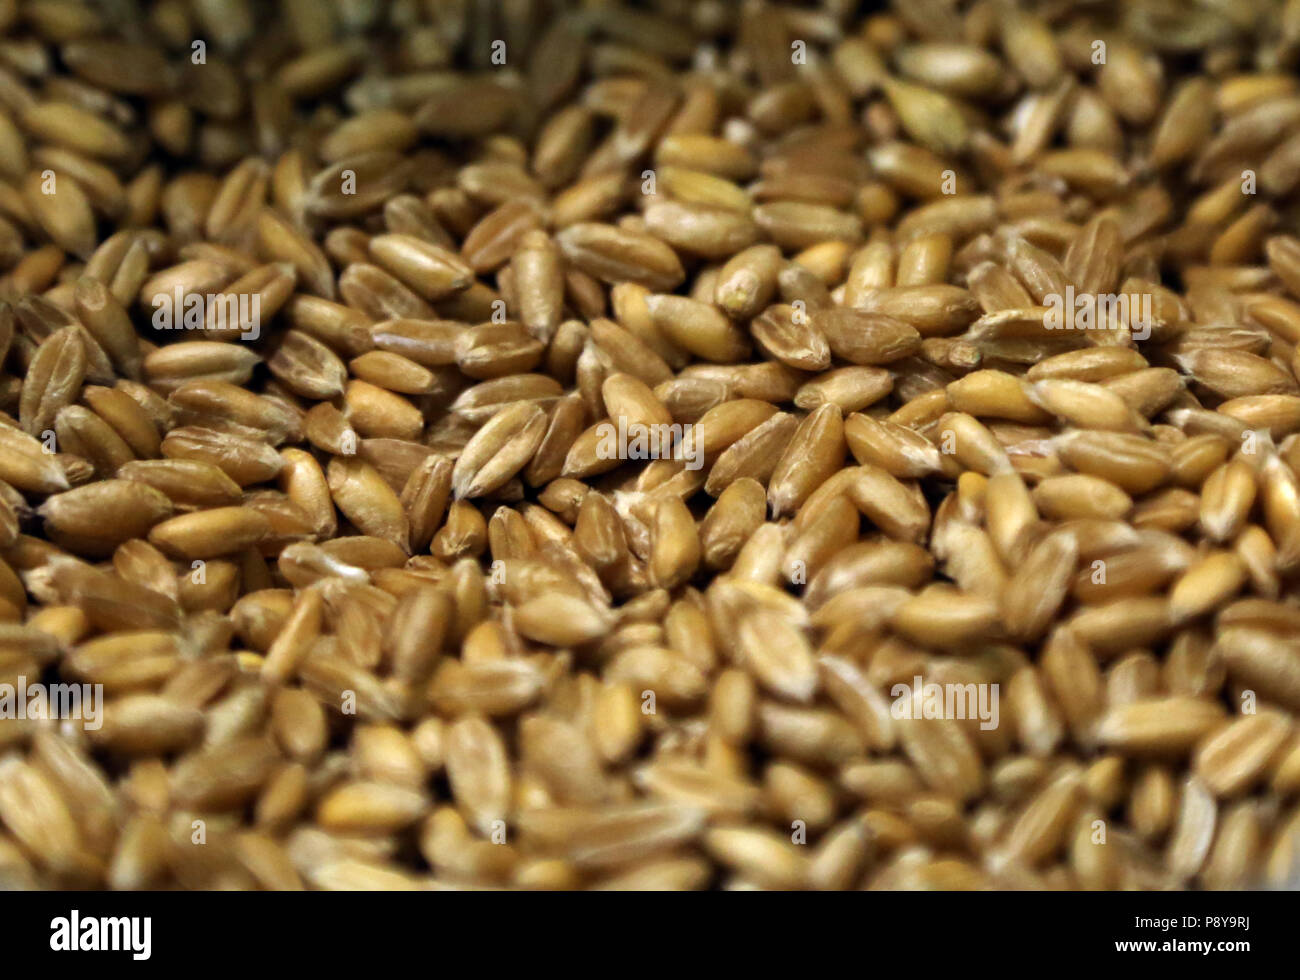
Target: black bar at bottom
pixel 567 931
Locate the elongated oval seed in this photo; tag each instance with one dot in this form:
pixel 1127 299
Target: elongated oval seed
pixel 210 533
pixel 54 379
pixel 96 518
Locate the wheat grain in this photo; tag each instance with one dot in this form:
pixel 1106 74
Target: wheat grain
pixel 360 536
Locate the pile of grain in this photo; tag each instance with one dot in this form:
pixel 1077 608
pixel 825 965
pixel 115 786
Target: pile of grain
pixel 370 602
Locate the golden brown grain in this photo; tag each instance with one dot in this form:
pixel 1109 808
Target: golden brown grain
pixel 371 587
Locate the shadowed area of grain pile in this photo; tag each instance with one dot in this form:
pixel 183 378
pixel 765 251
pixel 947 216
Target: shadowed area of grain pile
pixel 686 445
